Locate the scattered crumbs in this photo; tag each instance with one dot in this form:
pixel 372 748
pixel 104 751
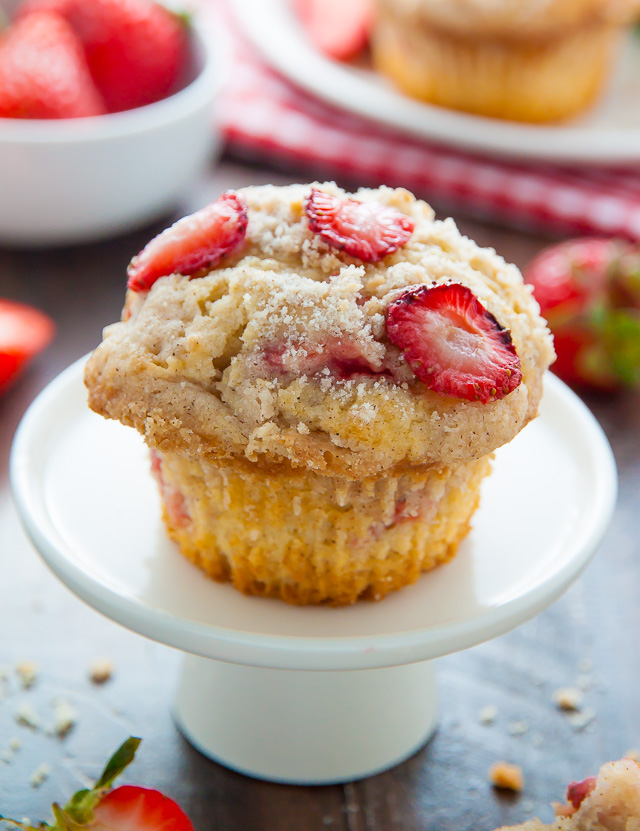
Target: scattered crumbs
pixel 518 728
pixel 6 756
pixel 633 754
pixel 65 717
pixel 25 714
pixel 488 714
pixel 15 744
pixel 568 698
pixel 505 775
pixel 537 739
pixel 583 682
pixel 27 673
pixel 39 775
pixel 302 428
pixel 527 806
pixel 101 670
pixel 585 665
pixel 580 720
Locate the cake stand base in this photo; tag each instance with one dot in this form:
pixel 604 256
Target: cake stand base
pixel 311 728
pixel 308 695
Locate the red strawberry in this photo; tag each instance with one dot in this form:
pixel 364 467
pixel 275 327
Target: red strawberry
pixel 24 332
pixel 128 808
pixel 589 292
pixel 577 792
pixel 194 242
pixel 366 230
pixel 339 29
pixel 452 343
pixel 43 72
pixel 136 49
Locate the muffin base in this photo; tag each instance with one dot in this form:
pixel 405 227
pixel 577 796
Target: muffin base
pixel 312 539
pixel 537 81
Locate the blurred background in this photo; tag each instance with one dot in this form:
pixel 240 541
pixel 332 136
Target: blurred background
pixel 520 120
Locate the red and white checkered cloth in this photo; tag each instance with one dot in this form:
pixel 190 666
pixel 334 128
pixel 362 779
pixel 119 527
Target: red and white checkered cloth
pixel 267 118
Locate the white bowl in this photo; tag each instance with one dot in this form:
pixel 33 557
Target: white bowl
pixel 78 180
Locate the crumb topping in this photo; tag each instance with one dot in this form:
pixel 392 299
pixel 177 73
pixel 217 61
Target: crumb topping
pixel 281 352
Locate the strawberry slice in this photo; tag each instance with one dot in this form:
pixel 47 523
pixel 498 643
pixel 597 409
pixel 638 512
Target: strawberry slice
pixel 197 241
pixel 24 332
pixel 452 343
pixel 577 792
pixel 366 230
pixel 339 29
pixel 29 88
pixel 128 808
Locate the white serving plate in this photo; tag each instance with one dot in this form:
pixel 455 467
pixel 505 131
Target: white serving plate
pixel 608 134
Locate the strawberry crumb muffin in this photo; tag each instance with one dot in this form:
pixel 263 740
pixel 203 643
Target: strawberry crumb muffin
pixel 322 379
pixel 527 60
pixel 608 802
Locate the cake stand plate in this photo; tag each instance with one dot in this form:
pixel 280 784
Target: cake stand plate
pixel 308 695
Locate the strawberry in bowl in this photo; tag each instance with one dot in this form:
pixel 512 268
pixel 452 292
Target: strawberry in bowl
pixel 113 137
pixel 589 292
pixel 104 808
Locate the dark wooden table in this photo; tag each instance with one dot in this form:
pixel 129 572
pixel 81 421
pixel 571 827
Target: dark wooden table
pixel 589 638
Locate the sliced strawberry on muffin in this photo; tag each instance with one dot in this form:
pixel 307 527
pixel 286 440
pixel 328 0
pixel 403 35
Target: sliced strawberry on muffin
pixel 453 344
pixel 194 242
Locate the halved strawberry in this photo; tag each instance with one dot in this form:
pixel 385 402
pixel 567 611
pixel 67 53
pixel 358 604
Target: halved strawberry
pixel 193 242
pixel 43 72
pixel 366 230
pixel 452 343
pixel 589 292
pixel 24 332
pixel 577 792
pixel 339 29
pixel 136 49
pixel 128 808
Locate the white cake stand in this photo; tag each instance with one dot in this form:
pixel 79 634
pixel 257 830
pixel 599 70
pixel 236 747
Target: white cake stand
pixel 308 695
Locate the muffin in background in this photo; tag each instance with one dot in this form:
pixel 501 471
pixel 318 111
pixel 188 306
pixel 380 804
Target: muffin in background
pixel 322 379
pixel 524 60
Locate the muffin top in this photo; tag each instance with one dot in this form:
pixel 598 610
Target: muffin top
pixel 349 334
pixel 521 19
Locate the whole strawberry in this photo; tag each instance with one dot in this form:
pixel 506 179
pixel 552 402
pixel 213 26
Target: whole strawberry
pixel 589 292
pixel 43 73
pixel 127 808
pixel 136 50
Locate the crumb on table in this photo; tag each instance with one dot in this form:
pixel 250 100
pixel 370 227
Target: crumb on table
pixel 507 776
pixel 101 670
pixel 568 698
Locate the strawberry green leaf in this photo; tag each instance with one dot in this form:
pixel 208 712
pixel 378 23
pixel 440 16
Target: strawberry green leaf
pixel 79 810
pixel 120 760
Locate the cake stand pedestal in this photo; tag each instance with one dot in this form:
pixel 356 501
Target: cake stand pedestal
pixel 308 695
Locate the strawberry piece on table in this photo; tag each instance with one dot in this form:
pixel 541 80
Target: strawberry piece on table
pixel 29 88
pixel 128 808
pixel 589 292
pixel 339 29
pixel 577 792
pixel 453 344
pixel 136 49
pixel 24 332
pixel 366 230
pixel 194 242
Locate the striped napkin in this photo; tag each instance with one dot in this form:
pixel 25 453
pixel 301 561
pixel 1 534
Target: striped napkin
pixel 268 119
